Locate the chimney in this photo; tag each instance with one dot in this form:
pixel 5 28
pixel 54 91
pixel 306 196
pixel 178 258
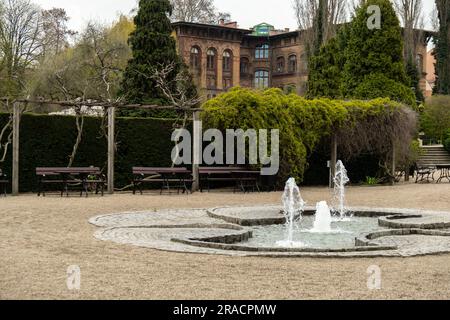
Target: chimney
pixel 287 29
pixel 221 21
pixel 231 25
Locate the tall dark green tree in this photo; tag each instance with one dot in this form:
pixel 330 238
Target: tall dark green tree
pixel 325 68
pixel 152 45
pixel 374 65
pixel 325 73
pixel 320 22
pixel 412 72
pixel 442 52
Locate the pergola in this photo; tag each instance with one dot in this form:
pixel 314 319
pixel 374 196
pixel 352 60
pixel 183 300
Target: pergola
pixel 111 108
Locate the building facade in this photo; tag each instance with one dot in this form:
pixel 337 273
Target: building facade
pixel 224 56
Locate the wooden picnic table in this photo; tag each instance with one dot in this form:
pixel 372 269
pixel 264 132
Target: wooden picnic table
pixel 444 170
pixel 84 176
pixel 247 179
pixel 170 178
pixel 242 177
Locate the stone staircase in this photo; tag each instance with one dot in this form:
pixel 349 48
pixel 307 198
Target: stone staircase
pixel 434 156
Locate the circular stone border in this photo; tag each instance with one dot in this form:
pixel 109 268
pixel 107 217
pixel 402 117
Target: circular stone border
pixel 212 236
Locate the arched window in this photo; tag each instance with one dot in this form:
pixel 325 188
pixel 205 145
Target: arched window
pixel 211 59
pixel 261 79
pixel 262 52
pixel 419 62
pixel 292 63
pixel 280 65
pixel 227 61
pixel 195 58
pixel 244 65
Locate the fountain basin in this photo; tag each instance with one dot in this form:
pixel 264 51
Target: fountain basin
pixel 201 231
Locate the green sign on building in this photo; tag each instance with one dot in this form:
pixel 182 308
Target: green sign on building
pixel 262 29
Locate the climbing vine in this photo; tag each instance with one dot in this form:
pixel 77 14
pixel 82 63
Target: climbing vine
pixel 361 126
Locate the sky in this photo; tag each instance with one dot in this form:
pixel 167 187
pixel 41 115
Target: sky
pixel 246 12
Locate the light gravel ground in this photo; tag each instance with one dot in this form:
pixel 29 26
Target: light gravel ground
pixel 41 237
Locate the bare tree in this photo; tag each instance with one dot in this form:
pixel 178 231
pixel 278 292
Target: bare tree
pixel 178 91
pixel 6 134
pixel 434 19
pixel 20 43
pixel 56 32
pixel 411 16
pixel 307 12
pixel 201 11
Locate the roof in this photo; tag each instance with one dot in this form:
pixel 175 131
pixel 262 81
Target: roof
pixel 213 26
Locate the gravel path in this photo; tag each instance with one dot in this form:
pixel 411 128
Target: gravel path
pixel 41 237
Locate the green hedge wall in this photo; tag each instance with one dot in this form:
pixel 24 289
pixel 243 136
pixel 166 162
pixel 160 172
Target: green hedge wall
pixel 447 142
pixel 47 141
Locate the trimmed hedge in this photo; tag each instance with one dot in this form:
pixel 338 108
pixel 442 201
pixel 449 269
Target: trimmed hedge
pixel 447 142
pixel 47 141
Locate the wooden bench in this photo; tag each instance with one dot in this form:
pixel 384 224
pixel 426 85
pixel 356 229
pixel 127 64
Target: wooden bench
pixel 86 177
pixel 444 170
pixel 3 182
pixel 168 178
pixel 243 178
pixel 424 173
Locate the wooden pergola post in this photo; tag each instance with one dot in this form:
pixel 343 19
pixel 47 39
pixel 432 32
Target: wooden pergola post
pixel 15 149
pixel 333 159
pixel 111 148
pixel 196 150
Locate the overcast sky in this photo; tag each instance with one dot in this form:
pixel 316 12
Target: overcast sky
pixel 246 12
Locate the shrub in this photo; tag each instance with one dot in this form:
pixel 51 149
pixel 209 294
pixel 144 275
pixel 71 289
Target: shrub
pixel 435 119
pixel 378 85
pixel 303 124
pixel 447 142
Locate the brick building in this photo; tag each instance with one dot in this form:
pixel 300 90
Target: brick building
pixel 223 56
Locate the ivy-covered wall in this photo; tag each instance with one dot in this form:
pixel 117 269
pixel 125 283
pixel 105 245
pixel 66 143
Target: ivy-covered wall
pixel 47 141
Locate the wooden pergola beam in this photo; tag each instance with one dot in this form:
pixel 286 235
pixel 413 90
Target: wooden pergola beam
pixel 100 104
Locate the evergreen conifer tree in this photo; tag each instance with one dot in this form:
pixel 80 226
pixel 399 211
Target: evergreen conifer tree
pixel 374 62
pixel 153 45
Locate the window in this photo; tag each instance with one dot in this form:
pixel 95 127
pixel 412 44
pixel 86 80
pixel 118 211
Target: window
pixel 227 61
pixel 211 59
pixel 261 79
pixel 280 65
pixel 262 52
pixel 419 62
pixel 211 82
pixel 195 58
pixel 244 65
pixel 293 63
pixel 227 83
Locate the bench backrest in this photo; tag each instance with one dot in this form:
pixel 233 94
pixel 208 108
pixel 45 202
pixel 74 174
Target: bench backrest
pixel 55 171
pixel 158 170
pixel 220 169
